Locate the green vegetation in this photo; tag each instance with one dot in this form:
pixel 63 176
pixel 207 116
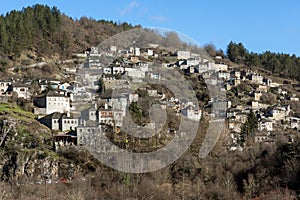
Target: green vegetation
pixel 248 128
pixel 47 32
pixel 284 64
pixel 16 111
pixel 25 29
pixel 136 113
pixel 101 86
pixel 260 171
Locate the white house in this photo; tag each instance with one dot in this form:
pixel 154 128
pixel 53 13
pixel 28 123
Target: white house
pixel 52 102
pixel 111 116
pixel 150 52
pixel 86 133
pixel 257 95
pixel 220 67
pixel 262 137
pixel 183 54
pixel 294 122
pixel 265 124
pixel 135 72
pixel 93 62
pixel 22 90
pixel 256 78
pixel 192 62
pixel 137 51
pixel 223 75
pixel 152 93
pixel 113 48
pixel 4 86
pixel 279 113
pixel 133 97
pixel 153 75
pixel 191 113
pixel 294 98
pixel 59 121
pixel 94 51
pixel 117 70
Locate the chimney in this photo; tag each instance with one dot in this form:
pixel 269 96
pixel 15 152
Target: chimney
pixel 106 106
pixel 84 122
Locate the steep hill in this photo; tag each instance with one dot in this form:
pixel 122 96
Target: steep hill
pixel 40 31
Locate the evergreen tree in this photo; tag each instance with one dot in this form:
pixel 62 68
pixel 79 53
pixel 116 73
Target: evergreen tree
pixel 101 86
pixel 3 35
pixel 249 128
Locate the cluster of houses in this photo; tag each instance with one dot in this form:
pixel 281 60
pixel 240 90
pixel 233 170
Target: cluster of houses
pixel 274 117
pixel 77 112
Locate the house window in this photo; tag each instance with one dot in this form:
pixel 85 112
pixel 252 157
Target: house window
pixel 68 121
pixel 80 130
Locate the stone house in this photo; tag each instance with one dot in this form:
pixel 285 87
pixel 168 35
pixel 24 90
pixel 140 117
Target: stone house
pixel 234 126
pixel 90 113
pixel 153 75
pixel 63 86
pixel 223 75
pixel 262 88
pixel 59 121
pixel 21 89
pixel 257 95
pixel 294 122
pixel 256 78
pixel 93 62
pixel 87 132
pixel 183 54
pixel 261 137
pixel 191 113
pixel 52 102
pixel 192 62
pixel 278 113
pixel 4 84
pixel 133 97
pixel 294 98
pixel 108 115
pixel 220 67
pixel 241 117
pixel 235 74
pixel 265 124
pixel 152 93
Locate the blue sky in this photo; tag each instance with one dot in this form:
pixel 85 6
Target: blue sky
pixel 263 25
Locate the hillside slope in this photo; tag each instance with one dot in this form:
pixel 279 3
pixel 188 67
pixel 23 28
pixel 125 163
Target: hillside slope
pixel 42 32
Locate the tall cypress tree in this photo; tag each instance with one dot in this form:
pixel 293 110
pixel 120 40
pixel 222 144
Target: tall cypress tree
pixel 249 128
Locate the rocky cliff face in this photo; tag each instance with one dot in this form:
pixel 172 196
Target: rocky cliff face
pixel 26 155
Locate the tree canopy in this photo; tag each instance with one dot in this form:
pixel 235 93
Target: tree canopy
pixel 46 31
pixel 249 128
pixel 284 64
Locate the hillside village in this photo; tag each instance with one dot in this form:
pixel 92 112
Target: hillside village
pixel 59 105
